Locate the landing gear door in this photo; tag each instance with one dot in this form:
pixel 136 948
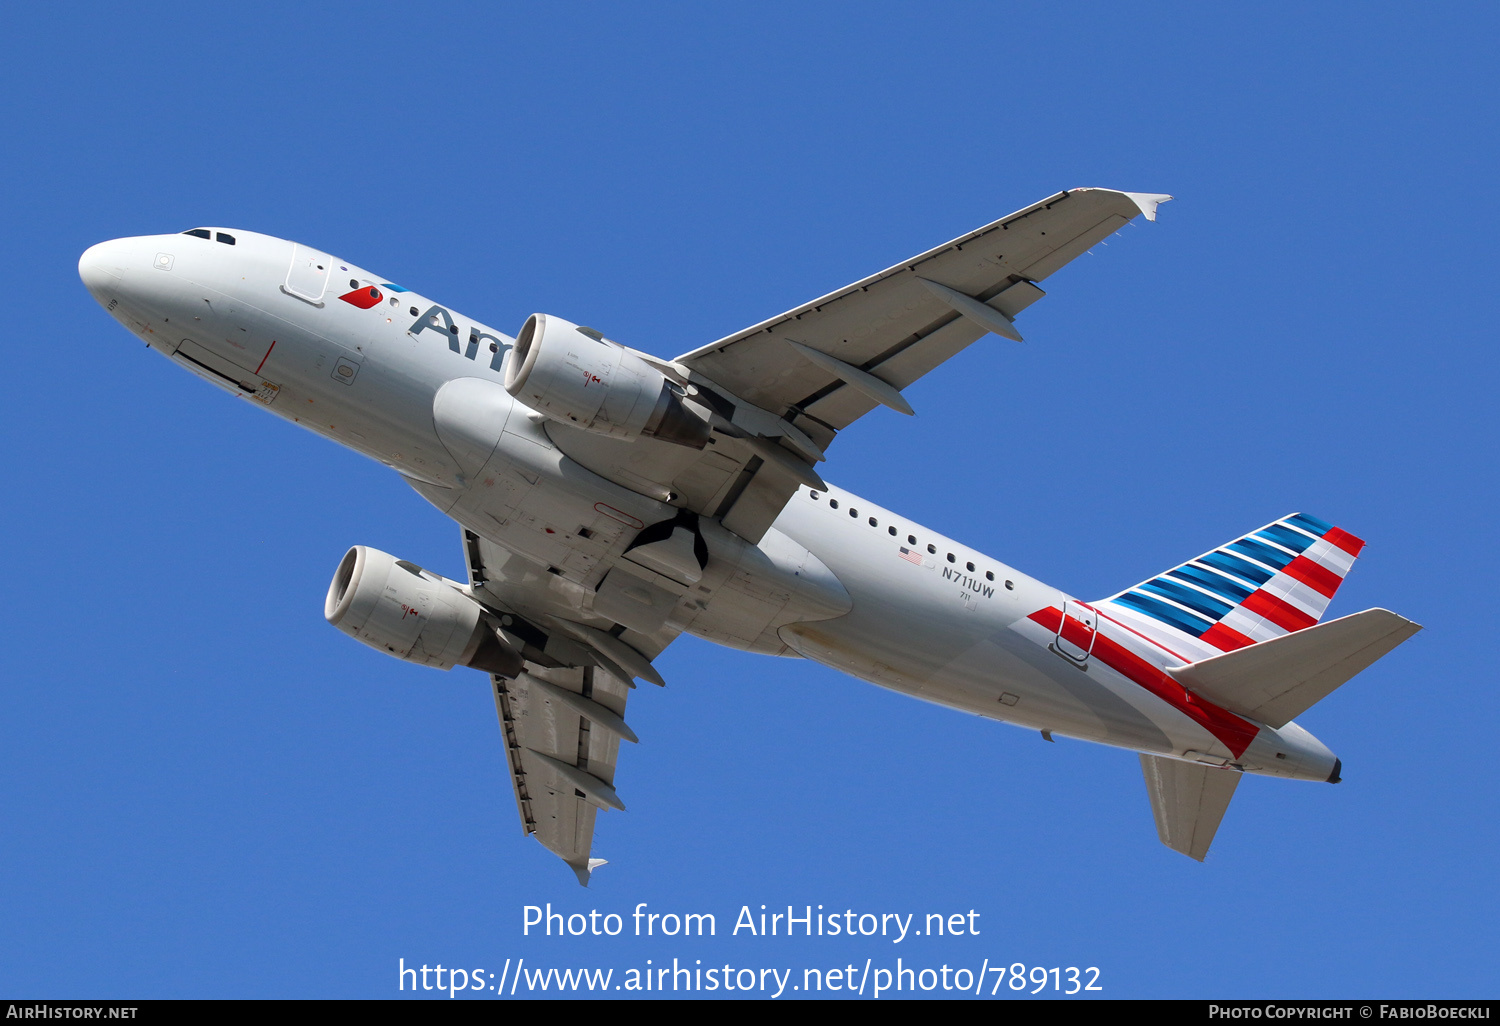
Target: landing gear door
pixel 307 278
pixel 1076 632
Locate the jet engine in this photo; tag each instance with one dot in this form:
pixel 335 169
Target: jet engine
pixel 577 376
pixel 412 614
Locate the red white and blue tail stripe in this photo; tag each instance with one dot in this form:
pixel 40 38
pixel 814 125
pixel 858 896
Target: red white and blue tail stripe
pixel 1270 582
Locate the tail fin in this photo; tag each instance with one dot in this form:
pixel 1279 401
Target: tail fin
pixel 1262 586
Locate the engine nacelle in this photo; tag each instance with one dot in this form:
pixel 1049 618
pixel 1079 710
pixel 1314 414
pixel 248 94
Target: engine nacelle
pixel 396 607
pixel 577 376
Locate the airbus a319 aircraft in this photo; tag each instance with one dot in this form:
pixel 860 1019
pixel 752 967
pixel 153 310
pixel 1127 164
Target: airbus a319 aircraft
pixel 610 500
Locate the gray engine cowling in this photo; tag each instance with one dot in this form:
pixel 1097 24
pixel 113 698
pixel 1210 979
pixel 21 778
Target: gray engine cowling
pixel 404 611
pixel 577 376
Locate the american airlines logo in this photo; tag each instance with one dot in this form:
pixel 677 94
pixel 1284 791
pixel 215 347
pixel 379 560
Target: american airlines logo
pixel 441 321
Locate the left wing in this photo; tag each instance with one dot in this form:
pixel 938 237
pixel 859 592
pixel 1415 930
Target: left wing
pixel 563 718
pixel 562 729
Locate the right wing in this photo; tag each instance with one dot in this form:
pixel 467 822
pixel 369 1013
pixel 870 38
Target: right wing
pixel 791 383
pixel 895 326
pixel 779 391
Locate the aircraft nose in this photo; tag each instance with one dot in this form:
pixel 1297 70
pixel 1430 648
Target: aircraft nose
pixel 102 266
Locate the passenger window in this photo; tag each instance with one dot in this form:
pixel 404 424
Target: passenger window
pixel 199 233
pixel 413 311
pixel 354 283
pixel 932 550
pixel 911 539
pixel 989 575
pixel 970 567
pixel 226 238
pixel 950 558
pixel 873 523
pixel 833 503
pixel 892 530
pixel 815 495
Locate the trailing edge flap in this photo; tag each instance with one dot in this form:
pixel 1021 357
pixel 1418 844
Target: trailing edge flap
pixel 1277 680
pixel 1188 800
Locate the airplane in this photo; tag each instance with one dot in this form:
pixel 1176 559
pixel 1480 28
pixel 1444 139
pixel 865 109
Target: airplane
pixel 610 500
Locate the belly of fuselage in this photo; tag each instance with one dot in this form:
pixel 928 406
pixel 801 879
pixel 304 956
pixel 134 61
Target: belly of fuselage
pixel 927 625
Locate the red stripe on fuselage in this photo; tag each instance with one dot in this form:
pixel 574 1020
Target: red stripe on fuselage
pixel 263 359
pixel 1316 576
pixel 1283 615
pixel 1077 633
pixel 1236 733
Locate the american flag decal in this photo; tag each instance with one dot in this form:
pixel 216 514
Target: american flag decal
pixel 910 556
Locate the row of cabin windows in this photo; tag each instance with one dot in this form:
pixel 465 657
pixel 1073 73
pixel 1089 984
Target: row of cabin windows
pixel 911 539
pixel 204 233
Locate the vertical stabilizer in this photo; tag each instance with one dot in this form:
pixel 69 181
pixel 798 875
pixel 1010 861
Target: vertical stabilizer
pixel 1188 800
pixel 1264 585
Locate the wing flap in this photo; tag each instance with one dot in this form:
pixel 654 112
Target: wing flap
pixel 1188 801
pixel 1277 680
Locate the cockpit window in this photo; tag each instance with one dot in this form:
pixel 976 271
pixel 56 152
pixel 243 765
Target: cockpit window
pixel 226 238
pixel 199 233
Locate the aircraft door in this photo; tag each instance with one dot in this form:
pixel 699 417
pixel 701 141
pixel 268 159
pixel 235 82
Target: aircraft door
pixel 307 278
pixel 1076 632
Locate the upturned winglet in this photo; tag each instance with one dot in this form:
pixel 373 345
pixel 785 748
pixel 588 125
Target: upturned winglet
pixel 1148 202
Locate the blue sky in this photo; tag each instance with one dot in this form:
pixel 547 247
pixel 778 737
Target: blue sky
pixel 207 791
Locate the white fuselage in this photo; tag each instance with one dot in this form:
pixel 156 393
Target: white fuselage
pixel 938 621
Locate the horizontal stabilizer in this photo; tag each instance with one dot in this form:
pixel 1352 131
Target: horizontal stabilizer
pixel 1188 800
pixel 1277 680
